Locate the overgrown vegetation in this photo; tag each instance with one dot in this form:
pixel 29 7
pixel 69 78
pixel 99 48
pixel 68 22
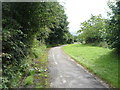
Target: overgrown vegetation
pixel 101 61
pixel 38 73
pixel 26 26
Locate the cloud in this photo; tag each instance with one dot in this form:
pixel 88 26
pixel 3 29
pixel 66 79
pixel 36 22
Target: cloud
pixel 81 10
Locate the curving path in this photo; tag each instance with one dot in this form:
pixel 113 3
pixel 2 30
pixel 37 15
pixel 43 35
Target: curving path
pixel 66 73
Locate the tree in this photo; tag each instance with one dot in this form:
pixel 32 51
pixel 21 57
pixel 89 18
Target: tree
pixel 59 30
pixel 113 32
pixel 92 30
pixel 24 23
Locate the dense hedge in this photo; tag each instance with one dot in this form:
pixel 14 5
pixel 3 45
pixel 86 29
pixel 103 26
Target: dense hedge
pixel 23 25
pixel 113 31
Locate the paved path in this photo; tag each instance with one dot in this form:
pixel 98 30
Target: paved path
pixel 66 73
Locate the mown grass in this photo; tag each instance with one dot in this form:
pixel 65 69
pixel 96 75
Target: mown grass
pixel 101 61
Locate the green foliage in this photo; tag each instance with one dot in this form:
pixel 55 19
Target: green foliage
pixel 14 50
pixel 113 32
pixel 75 38
pixel 37 49
pixel 29 80
pixel 59 31
pixel 23 25
pixel 92 30
pixel 97 29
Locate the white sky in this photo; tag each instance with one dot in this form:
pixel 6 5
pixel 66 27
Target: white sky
pixel 80 10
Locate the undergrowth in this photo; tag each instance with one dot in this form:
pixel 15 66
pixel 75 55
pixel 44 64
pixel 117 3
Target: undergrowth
pixel 38 72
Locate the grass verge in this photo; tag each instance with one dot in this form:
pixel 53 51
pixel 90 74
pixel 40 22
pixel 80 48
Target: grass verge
pixel 37 75
pixel 101 61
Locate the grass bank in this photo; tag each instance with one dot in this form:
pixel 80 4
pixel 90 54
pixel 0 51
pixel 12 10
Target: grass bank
pixel 101 61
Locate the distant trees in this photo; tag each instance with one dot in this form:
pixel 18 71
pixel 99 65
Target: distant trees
pixel 92 30
pixel 97 29
pixel 23 23
pixel 76 39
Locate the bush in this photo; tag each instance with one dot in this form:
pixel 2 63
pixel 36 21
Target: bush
pixel 103 44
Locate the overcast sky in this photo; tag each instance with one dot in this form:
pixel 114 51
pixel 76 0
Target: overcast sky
pixel 80 10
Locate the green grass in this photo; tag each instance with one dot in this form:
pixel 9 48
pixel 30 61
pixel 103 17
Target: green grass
pixel 29 80
pixel 101 61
